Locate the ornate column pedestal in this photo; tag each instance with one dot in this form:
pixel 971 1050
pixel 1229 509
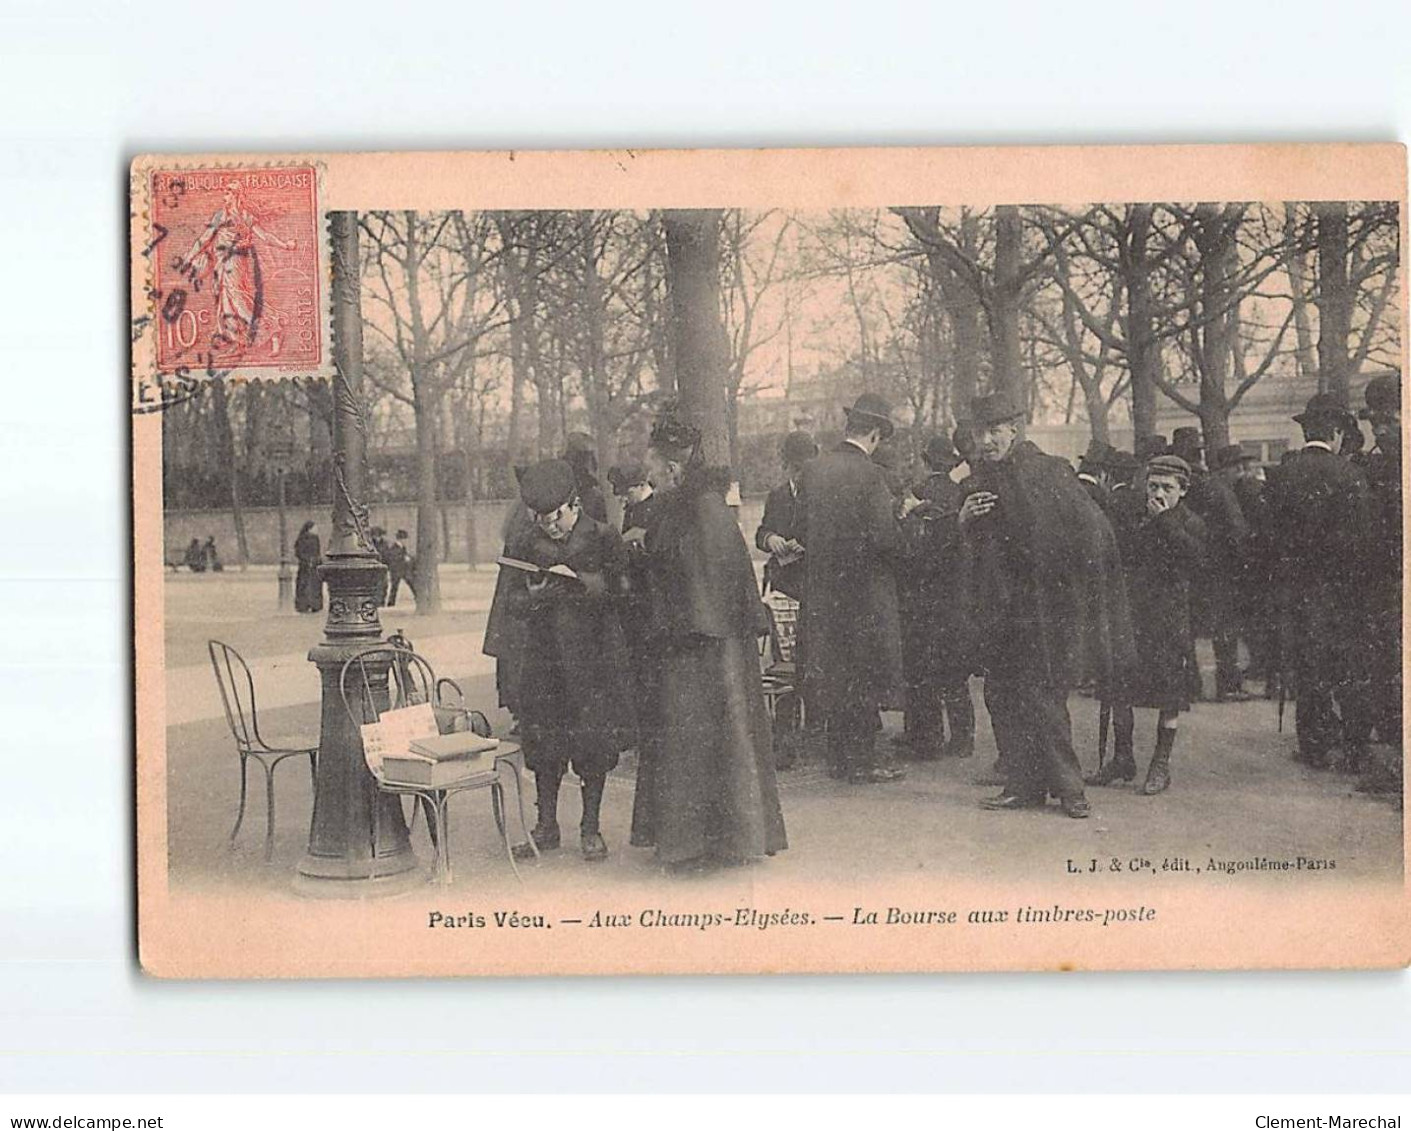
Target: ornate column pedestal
pixel 342 861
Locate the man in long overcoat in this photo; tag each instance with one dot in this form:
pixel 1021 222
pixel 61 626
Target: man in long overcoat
pixel 852 543
pixel 1318 507
pixel 1381 565
pixel 1046 600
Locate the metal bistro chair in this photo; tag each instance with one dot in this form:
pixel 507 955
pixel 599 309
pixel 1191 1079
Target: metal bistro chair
pixel 237 693
pixel 410 681
pixel 779 674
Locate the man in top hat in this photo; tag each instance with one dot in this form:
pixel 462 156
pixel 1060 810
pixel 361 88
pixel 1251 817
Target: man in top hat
pixel 1092 471
pixel 574 701
pixel 935 659
pixel 1318 507
pixel 1162 549
pixel 1150 445
pixel 853 543
pixel 1046 602
pixel 1381 566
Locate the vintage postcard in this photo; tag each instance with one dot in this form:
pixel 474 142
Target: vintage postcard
pixel 769 561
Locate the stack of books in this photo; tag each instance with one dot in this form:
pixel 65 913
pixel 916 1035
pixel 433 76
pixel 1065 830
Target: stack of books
pixel 439 760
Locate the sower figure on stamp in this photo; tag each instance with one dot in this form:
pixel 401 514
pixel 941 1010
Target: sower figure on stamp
pixel 713 798
pixel 228 250
pixel 780 535
pixel 1046 600
pixel 573 697
pixel 1318 504
pixel 1162 549
pixel 933 637
pixel 854 543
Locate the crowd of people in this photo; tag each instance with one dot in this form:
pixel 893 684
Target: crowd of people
pixel 1001 562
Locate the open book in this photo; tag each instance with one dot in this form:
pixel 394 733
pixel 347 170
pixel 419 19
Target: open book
pixel 789 554
pixel 530 567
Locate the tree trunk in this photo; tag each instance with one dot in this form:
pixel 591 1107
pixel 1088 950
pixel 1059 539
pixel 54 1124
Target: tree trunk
pixel 1334 299
pixel 1143 350
pixel 1007 374
pixel 472 542
pixel 226 437
pixel 519 316
pixel 1294 264
pixel 698 334
pixel 424 398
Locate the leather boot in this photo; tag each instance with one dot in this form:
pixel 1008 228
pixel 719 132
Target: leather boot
pixel 590 839
pixel 546 799
pixel 1123 766
pixel 1158 774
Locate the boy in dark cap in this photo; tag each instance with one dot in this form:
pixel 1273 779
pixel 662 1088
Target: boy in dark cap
pixel 1161 550
pixel 574 705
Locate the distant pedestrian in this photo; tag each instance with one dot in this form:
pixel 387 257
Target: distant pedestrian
pixel 400 566
pixel 308 585
pixel 212 557
pixel 195 557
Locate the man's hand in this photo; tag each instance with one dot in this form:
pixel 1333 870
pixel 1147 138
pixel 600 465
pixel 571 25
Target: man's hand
pixel 909 503
pixel 637 536
pixel 595 583
pixel 776 544
pixel 536 583
pixel 1156 504
pixel 976 505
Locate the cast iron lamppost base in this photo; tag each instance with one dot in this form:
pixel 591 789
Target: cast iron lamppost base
pixel 342 861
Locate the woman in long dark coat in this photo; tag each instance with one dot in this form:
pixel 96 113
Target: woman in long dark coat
pixel 308 586
pixel 1163 545
pixel 713 797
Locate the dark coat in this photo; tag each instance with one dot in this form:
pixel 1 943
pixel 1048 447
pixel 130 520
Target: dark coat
pixel 504 627
pixel 713 790
pixel 308 585
pixel 1045 594
pixel 1161 555
pixel 928 584
pixel 783 515
pixel 574 694
pixel 854 543
pixel 1318 510
pixel 1213 499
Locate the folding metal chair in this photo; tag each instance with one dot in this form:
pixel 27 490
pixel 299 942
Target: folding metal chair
pixel 237 694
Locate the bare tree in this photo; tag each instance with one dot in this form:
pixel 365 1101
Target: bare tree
pixel 700 345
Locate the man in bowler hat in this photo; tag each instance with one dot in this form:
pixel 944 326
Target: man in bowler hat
pixel 1318 506
pixel 1046 603
pixel 853 543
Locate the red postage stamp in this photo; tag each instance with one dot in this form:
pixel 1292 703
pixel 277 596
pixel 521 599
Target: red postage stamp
pixel 236 278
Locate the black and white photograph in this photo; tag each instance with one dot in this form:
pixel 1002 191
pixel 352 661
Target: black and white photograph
pixel 820 577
